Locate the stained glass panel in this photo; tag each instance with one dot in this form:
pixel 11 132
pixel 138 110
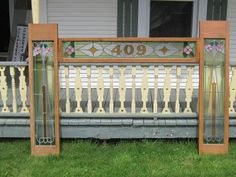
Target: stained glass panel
pixel 43 64
pixel 214 64
pixel 95 49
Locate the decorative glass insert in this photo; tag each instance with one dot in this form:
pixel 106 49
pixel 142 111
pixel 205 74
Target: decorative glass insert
pixel 43 64
pixel 214 64
pixel 72 49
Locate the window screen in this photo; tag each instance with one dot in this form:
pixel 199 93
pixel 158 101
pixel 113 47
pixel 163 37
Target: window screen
pixel 171 18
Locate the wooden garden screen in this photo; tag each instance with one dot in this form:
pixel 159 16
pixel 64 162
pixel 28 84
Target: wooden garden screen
pixel 214 87
pixel 43 78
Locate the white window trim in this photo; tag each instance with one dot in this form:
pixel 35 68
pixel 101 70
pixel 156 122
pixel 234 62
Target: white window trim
pixel 43 13
pixel 199 13
pixel 143 18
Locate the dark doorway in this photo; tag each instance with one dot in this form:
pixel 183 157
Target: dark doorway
pixel 5 26
pixel 171 18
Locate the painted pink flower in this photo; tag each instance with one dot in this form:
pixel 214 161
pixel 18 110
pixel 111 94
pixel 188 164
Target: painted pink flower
pixel 188 50
pixel 219 48
pixel 208 48
pixel 70 50
pixel 48 51
pixel 37 50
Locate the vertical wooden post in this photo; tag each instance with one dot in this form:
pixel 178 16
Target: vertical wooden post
pixel 66 71
pixel 89 104
pixel 144 89
pixel 3 89
pixel 122 89
pixel 155 90
pixel 167 90
pixel 189 90
pixel 232 90
pixel 214 87
pixel 23 89
pixel 13 83
pixel 178 74
pixel 41 35
pixel 100 90
pixel 111 104
pixel 133 105
pixel 35 11
pixel 78 90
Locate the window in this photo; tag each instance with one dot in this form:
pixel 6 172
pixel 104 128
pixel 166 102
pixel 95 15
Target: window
pixel 171 18
pixel 127 23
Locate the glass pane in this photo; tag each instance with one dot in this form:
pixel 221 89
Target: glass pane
pixel 171 18
pixel 43 64
pixel 134 50
pixel 214 64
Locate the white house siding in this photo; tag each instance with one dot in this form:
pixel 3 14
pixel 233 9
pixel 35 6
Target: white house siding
pixel 83 18
pixel 231 17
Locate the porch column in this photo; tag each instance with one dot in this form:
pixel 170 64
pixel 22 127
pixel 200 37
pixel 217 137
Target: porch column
pixel 35 11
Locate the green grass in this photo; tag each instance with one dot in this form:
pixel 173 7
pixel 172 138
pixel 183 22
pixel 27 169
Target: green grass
pixel 125 158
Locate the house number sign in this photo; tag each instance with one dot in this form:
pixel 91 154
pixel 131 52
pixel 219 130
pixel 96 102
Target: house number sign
pixel 127 49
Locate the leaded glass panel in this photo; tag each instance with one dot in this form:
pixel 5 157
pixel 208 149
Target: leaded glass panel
pixel 214 64
pixel 98 49
pixel 43 64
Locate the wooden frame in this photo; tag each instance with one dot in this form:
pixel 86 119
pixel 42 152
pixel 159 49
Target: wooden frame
pixel 43 32
pixel 208 30
pixel 214 30
pixel 129 60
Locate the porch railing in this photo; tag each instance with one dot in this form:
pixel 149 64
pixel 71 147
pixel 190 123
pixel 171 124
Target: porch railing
pixel 151 90
pixel 129 90
pixel 14 92
pixel 136 90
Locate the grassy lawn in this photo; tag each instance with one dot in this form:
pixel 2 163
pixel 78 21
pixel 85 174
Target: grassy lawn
pixel 125 158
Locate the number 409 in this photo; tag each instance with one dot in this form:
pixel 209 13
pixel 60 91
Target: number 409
pixel 129 50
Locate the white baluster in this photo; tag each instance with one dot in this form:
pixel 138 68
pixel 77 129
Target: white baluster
pixel 78 90
pixel 144 89
pixel 13 83
pixel 3 89
pixel 100 90
pixel 23 89
pixel 122 89
pixel 133 106
pixel 66 71
pixel 89 105
pixel 178 74
pixel 111 104
pixel 189 90
pixel 232 91
pixel 155 90
pixel 167 90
